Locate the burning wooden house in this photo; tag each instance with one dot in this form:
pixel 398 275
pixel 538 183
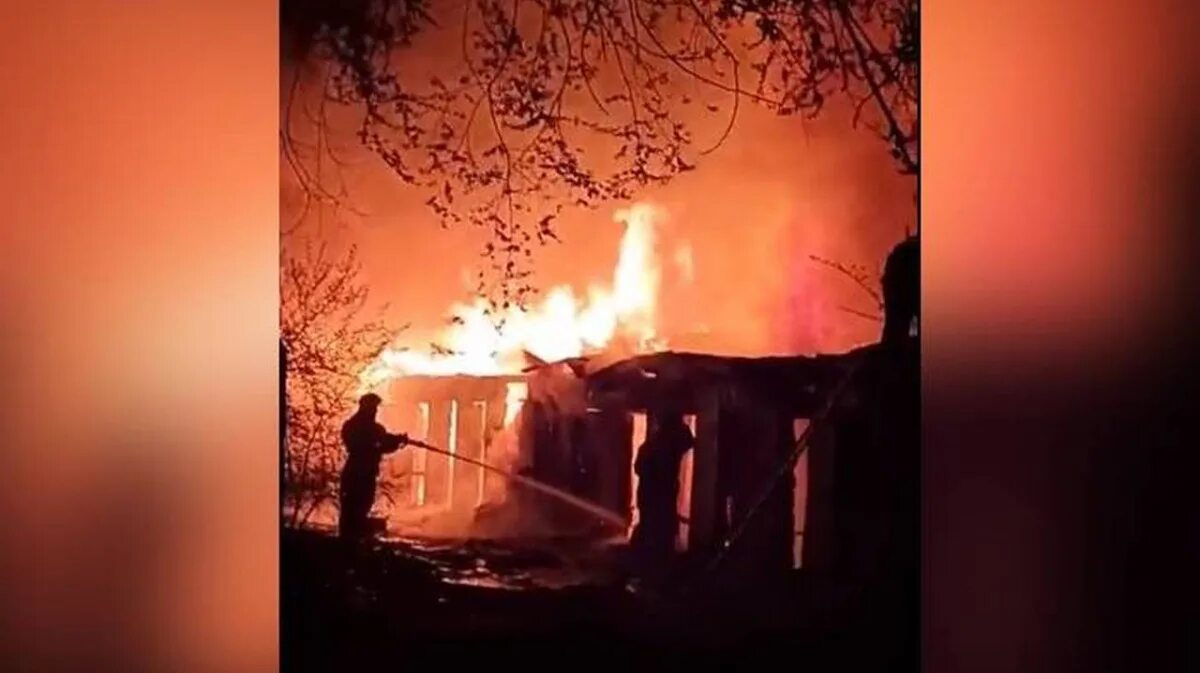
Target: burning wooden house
pixel 577 425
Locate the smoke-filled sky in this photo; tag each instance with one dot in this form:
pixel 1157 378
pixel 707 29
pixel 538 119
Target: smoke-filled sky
pixel 778 190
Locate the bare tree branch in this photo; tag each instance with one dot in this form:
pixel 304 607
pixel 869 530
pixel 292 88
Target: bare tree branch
pixel 857 274
pixel 328 340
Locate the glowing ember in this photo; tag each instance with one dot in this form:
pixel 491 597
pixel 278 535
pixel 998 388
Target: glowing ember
pixel 562 326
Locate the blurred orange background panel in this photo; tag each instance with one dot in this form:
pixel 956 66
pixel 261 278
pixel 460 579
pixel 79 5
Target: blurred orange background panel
pixel 140 252
pixel 1055 242
pixel 1042 130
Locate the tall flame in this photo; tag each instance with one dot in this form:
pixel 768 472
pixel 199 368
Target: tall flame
pixel 636 280
pixel 564 325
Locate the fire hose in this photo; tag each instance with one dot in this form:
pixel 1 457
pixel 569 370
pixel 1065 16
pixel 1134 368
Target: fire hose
pixel 590 507
pixel 604 514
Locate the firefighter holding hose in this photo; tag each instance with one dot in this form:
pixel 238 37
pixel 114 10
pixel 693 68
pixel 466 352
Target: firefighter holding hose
pixel 366 442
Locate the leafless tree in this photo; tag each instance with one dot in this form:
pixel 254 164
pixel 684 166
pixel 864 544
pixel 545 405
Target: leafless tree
pixel 547 104
pixel 864 281
pixel 329 338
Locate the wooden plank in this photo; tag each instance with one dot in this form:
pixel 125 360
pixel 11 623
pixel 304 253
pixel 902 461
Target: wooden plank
pixel 781 512
pixel 420 457
pixel 437 465
pixel 819 551
pixel 638 429
pixel 397 469
pixel 706 508
pixel 683 501
pixel 493 485
pixel 762 517
pixel 467 477
pixel 610 440
pixel 800 495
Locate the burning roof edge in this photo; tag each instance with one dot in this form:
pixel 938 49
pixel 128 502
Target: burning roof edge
pixel 797 381
pixel 640 382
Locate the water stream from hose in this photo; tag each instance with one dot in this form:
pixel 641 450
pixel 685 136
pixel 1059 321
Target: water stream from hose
pixel 592 508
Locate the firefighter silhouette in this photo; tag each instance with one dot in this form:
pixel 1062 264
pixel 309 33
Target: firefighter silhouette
pixel 366 442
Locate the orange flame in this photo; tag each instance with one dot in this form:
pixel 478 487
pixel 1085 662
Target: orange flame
pixel 562 326
pixel 514 399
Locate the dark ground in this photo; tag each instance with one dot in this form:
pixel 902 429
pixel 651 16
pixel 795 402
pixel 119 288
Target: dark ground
pixel 395 603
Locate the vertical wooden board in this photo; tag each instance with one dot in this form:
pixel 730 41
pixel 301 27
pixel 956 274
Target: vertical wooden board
pixel 730 466
pixel 399 470
pixel 741 466
pixel 563 455
pixel 706 506
pixel 452 446
pixel 818 552
pixel 782 530
pixel 683 502
pixel 609 435
pixel 471 415
pixel 537 429
pixel 490 483
pixel 471 418
pixel 613 438
pixel 594 438
pixel 762 495
pixel 639 422
pixel 621 463
pixel 420 457
pixel 396 469
pixel 495 418
pixel 800 495
pixel 583 447
pixel 437 465
pixel 483 430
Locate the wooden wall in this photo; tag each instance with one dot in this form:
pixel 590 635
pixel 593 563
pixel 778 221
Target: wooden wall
pixel 464 413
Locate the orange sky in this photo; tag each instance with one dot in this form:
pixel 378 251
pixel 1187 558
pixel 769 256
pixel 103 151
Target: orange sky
pixel 778 190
